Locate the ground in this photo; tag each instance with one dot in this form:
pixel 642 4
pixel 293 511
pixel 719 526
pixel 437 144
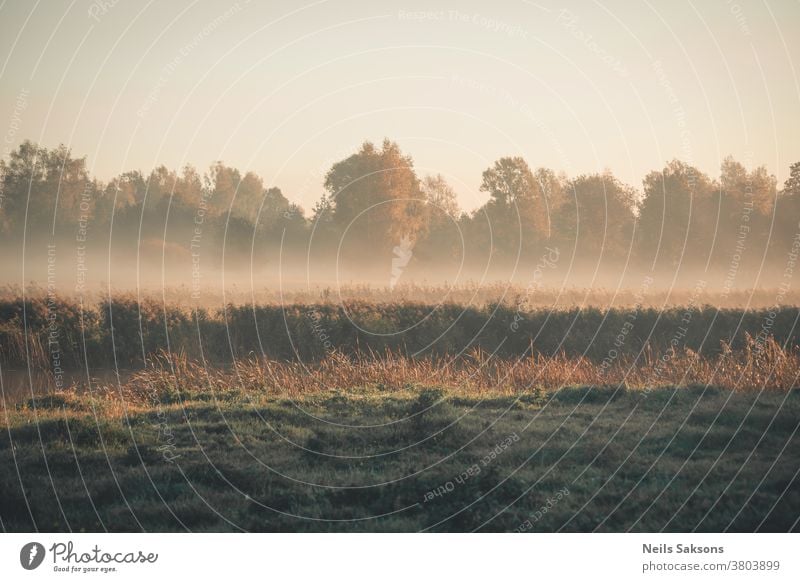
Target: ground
pixel 579 459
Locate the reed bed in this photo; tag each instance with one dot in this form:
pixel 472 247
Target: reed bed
pixel 125 332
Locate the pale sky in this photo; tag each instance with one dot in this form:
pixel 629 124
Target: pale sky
pixel 284 88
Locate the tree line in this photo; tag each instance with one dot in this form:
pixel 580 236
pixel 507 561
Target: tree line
pixel 374 200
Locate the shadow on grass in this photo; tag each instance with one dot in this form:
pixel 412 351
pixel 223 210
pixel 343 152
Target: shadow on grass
pixel 678 459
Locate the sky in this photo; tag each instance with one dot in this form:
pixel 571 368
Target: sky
pixel 286 88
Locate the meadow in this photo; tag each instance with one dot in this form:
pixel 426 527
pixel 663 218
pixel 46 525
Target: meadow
pixel 418 459
pixel 400 416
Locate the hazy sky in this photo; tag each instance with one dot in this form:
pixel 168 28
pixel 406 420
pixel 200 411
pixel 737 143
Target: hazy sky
pixel 284 88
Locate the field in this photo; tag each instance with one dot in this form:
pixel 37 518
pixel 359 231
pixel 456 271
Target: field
pixel 325 417
pixel 578 459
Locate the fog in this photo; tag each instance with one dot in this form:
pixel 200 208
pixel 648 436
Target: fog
pixel 381 228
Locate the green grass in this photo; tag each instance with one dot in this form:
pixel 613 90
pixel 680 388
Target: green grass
pixel 602 459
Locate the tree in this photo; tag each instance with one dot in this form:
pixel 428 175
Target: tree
pixel 278 213
pixel 376 197
pixel 597 218
pixel 509 181
pixel 745 200
pixel 249 195
pixel 551 191
pixel 128 189
pixel 676 216
pixel 440 197
pixel 442 241
pixel 791 187
pixel 741 187
pixel 787 216
pixel 188 189
pixel 45 188
pixel 519 207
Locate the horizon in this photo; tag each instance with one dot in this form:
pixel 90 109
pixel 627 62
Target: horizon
pixel 283 91
pixel 484 197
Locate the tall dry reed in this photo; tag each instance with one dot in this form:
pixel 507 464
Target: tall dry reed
pixel 762 365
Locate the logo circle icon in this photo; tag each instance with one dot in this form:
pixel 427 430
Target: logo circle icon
pixel 31 555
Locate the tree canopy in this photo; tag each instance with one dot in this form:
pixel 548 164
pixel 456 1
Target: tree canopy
pixel 375 200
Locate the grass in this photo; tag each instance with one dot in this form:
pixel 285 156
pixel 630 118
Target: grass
pixel 124 332
pixel 375 458
pixel 762 365
pixel 574 420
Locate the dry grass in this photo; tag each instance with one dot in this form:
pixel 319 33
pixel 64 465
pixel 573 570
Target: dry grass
pixel 472 293
pixel 761 366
